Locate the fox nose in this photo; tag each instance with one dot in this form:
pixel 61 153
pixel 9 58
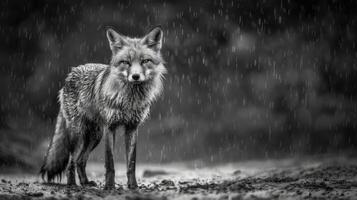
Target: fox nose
pixel 135 77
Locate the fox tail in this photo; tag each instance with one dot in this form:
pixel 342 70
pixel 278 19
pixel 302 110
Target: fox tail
pixel 57 156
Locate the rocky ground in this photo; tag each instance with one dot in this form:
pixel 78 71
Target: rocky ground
pixel 279 179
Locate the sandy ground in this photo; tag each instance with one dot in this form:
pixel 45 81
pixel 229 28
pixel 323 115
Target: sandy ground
pixel 274 179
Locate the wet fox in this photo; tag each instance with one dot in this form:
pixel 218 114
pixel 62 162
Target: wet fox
pixel 99 99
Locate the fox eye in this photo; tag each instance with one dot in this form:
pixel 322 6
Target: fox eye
pixel 146 61
pixel 124 62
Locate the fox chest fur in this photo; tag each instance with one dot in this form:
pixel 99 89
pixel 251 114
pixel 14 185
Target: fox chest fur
pixel 92 92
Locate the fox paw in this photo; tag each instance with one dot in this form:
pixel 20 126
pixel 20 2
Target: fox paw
pixel 109 187
pixel 90 184
pixel 71 183
pixel 132 186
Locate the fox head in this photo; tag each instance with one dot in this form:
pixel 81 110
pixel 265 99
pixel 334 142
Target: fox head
pixel 136 60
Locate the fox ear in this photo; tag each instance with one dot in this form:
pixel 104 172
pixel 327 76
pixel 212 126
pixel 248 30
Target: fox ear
pixel 154 39
pixel 116 40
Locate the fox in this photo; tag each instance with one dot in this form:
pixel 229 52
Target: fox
pixel 100 99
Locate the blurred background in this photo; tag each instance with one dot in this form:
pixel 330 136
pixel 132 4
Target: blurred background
pixel 247 79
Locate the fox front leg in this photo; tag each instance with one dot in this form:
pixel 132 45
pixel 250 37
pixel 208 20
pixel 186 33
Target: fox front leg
pixel 109 159
pixel 131 136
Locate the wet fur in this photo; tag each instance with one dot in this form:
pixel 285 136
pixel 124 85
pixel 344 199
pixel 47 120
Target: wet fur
pixel 97 97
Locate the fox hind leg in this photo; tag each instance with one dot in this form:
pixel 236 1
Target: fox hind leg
pixel 91 138
pixel 74 142
pixel 71 172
